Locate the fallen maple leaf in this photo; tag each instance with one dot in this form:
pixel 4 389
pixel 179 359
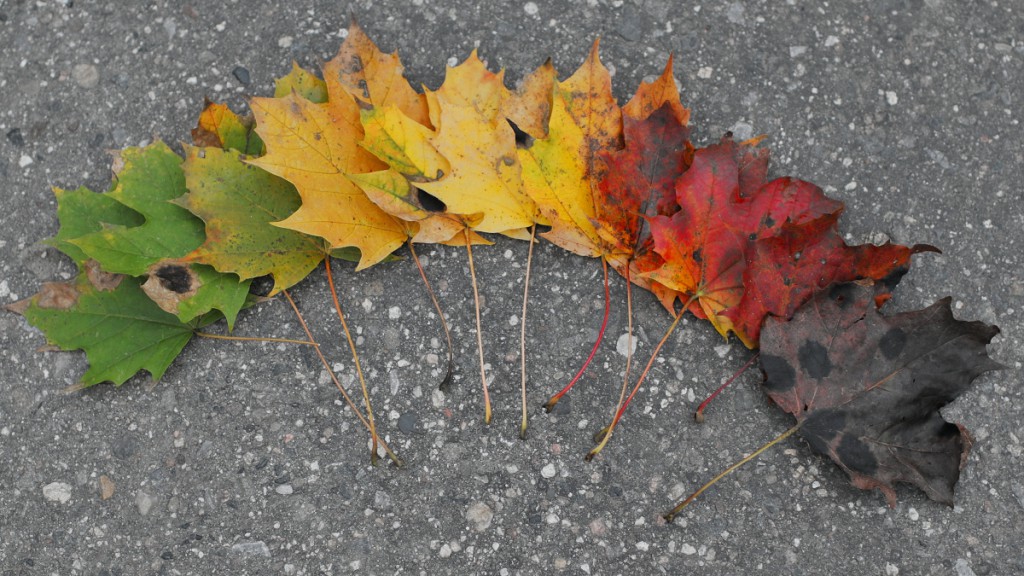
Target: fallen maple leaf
pixel 121 331
pixel 475 138
pixel 220 127
pixel 238 202
pixel 866 389
pixel 373 78
pixel 561 172
pixel 315 147
pixel 148 182
pixel 302 82
pixel 640 181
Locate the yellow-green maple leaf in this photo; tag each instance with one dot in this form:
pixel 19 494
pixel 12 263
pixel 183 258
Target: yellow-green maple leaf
pixel 561 172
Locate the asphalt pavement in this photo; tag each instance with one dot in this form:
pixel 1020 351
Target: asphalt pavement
pixel 242 459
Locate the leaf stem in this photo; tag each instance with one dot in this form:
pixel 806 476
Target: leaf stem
pixel 252 338
pixel 604 435
pixel 679 507
pixel 440 314
pixel 550 404
pixel 699 414
pixel 348 399
pixel 479 333
pixel 522 332
pixel 355 359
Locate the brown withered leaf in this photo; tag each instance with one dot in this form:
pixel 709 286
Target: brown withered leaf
pixel 866 389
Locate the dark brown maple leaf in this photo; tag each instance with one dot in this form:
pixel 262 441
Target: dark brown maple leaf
pixel 866 389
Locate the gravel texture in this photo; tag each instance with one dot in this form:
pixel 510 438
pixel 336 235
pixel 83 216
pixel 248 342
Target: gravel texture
pixel 243 460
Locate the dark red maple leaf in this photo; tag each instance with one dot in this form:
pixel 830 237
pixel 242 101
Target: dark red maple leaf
pixel 725 207
pixel 787 268
pixel 640 184
pixel 866 389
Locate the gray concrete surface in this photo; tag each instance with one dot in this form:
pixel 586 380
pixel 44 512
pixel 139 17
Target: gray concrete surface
pixel 242 461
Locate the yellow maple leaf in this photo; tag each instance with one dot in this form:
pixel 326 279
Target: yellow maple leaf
pixel 480 147
pixel 315 147
pixel 405 146
pixel 561 172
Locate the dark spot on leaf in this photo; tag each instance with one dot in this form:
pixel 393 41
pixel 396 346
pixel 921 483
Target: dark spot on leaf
pixel 779 375
pixel 769 221
pixel 856 456
pixel 892 343
pixel 430 202
pixel 813 358
pixel 822 427
pixel 698 257
pixel 174 278
pixel 842 294
pixel 364 88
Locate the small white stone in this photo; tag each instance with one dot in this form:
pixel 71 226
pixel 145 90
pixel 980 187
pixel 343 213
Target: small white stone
pixel 446 551
pixel 284 41
pixel 891 98
pixel 831 41
pixel 284 489
pixel 479 515
pixel 688 550
pixel 24 161
pixel 891 569
pixel 394 313
pixel 643 546
pixel 144 502
pixel 913 515
pixel 548 471
pixel 531 8
pixel 705 72
pixel 795 51
pixel 626 345
pixel 57 492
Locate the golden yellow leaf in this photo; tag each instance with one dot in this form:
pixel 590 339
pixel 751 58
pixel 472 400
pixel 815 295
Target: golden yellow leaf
pixel 479 144
pixel 315 147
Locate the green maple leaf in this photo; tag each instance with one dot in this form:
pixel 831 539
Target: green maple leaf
pixel 121 330
pixel 303 83
pixel 150 178
pixel 81 212
pixel 239 203
pixel 148 181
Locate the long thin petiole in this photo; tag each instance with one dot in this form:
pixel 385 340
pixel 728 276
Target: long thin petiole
pixel 522 332
pixel 550 404
pixel 348 399
pixel 479 333
pixel 252 338
pixel 699 414
pixel 444 323
pixel 679 507
pixel 605 435
pixel 355 359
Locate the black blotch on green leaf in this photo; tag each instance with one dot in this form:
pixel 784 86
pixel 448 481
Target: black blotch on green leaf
pixel 174 278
